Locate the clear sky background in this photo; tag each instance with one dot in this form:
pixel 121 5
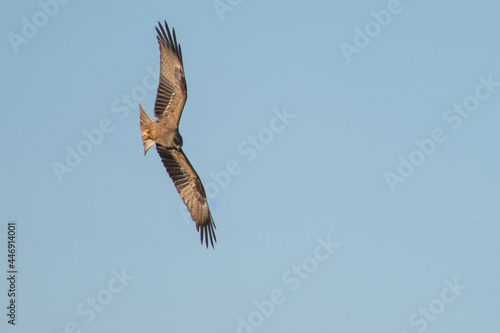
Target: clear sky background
pixel 371 205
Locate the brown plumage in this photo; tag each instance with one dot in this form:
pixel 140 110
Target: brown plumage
pixel 170 100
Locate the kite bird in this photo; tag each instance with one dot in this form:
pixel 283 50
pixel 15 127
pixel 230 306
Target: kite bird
pixel 164 132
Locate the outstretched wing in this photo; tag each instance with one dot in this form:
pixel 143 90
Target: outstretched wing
pixel 172 90
pixel 191 190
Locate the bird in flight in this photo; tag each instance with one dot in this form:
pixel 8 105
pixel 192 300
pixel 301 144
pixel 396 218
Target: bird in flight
pixel 164 132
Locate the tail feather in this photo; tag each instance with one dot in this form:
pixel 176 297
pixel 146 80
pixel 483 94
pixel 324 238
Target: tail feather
pixel 144 120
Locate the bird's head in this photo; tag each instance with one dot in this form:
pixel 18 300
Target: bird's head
pixel 171 139
pixel 177 140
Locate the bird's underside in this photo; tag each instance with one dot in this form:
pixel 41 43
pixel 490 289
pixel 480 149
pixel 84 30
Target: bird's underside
pixel 170 100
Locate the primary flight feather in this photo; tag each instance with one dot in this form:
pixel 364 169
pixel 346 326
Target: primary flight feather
pixel 164 132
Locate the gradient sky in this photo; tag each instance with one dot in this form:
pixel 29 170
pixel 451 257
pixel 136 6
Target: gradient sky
pixel 350 150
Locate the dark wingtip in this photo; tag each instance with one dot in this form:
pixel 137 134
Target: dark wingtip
pixel 209 233
pixel 164 36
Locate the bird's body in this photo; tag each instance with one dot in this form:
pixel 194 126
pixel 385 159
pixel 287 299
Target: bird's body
pixel 164 132
pixel 159 133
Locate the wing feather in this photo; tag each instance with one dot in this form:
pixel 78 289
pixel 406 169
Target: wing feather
pixel 191 190
pixel 172 90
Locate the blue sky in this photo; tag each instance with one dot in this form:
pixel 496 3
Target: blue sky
pixel 350 151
